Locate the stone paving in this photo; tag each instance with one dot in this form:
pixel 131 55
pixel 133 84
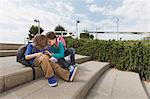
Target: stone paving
pixel 116 84
pixel 86 77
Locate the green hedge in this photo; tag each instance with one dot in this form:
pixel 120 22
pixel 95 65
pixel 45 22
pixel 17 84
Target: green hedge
pixel 123 55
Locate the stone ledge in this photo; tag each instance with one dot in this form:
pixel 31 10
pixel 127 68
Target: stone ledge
pixel 10 78
pixel 87 75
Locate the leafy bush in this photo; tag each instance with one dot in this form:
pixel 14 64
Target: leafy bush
pixel 123 55
pixel 86 36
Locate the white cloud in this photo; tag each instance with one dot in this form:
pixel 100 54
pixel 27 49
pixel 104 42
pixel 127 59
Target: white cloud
pixel 133 9
pixel 133 14
pixel 95 8
pixel 136 11
pixel 17 17
pixel 89 1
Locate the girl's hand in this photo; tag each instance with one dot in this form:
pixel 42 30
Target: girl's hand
pixel 47 53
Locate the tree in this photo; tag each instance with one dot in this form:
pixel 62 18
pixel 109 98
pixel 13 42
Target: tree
pixel 59 28
pixel 84 35
pixel 92 36
pixel 33 31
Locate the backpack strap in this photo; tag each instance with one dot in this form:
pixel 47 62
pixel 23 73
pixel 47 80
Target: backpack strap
pixel 32 66
pixel 57 41
pixel 33 71
pixel 34 49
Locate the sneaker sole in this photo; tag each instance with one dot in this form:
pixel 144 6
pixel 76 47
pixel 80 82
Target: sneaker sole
pixel 53 85
pixel 73 75
pixel 77 65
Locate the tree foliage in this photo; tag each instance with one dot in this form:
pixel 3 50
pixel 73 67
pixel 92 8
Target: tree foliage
pixel 86 36
pixel 59 28
pixel 33 31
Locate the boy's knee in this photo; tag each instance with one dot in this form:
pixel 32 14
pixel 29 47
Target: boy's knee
pixel 44 57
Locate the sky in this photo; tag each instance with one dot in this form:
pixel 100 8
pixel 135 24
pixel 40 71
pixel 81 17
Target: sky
pixel 17 16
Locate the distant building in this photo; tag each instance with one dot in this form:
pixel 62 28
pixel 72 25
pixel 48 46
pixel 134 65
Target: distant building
pixel 64 33
pixel 122 35
pixel 146 38
pixel 101 32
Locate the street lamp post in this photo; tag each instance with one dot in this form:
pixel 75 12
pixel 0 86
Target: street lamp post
pixel 77 28
pixel 117 21
pixel 97 33
pixel 38 21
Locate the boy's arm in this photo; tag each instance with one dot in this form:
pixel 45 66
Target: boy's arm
pixel 30 56
pixel 61 51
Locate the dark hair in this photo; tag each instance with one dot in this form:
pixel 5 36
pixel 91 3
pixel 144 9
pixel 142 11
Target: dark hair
pixel 39 41
pixel 50 35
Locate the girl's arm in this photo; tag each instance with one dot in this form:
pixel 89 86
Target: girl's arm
pixel 60 54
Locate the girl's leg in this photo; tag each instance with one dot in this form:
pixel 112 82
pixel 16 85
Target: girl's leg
pixel 63 63
pixel 71 52
pixel 45 65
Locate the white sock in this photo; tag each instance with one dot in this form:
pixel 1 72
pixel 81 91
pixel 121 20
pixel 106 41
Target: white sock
pixel 71 68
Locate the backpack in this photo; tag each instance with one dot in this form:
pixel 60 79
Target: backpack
pixel 21 58
pixel 59 38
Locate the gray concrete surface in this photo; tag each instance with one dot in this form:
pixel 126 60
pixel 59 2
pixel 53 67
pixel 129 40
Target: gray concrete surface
pixel 115 84
pixel 87 75
pixel 5 53
pixel 6 46
pixel 13 74
pixel 8 49
pixel 147 87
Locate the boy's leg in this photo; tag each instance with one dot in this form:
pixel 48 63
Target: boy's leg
pixel 45 65
pixel 71 52
pixel 63 73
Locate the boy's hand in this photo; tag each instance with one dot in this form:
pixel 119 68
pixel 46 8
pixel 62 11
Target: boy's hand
pixel 39 54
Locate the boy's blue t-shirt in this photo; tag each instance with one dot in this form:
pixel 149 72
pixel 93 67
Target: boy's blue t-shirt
pixel 30 50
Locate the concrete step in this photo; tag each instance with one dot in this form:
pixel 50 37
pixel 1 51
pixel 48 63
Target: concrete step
pixel 13 74
pixel 5 46
pixel 8 49
pixel 5 53
pixel 115 84
pixel 86 77
pixel 147 87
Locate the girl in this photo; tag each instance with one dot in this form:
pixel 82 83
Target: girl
pixel 56 50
